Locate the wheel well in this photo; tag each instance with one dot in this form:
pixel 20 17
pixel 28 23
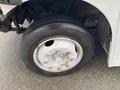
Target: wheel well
pixel 85 13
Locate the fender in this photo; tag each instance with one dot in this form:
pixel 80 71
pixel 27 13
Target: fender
pixel 111 10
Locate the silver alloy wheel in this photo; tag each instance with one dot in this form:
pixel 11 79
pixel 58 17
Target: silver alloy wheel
pixel 58 54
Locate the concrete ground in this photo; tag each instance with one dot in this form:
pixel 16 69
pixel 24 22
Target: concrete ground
pixel 15 76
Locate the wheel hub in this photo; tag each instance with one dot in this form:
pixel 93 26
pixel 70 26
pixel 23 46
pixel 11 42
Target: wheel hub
pixel 59 56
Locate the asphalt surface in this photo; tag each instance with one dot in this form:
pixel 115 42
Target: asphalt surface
pixel 15 76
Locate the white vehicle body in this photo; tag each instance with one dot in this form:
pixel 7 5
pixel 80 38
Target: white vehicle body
pixel 111 9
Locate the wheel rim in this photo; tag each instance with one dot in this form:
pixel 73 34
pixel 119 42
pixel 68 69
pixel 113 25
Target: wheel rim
pixel 58 54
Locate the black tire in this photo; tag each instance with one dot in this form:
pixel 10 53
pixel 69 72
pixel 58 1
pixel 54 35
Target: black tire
pixel 50 27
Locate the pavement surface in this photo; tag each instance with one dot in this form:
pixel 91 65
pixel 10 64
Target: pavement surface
pixel 15 76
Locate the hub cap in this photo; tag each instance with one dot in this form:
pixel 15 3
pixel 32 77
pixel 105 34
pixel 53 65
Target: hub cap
pixel 58 54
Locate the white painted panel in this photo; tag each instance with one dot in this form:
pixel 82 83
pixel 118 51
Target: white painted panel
pixel 115 61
